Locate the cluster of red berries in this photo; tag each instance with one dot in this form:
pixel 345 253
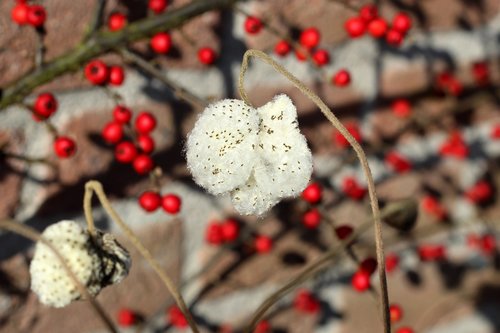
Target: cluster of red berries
pixel 218 233
pixel 126 151
pixel 150 201
pixel 45 106
pixel 368 19
pixel 486 243
pixel 312 194
pixel 23 13
pixel 361 278
pixel 98 73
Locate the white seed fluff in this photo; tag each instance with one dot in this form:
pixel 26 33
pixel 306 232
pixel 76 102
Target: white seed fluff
pixel 96 263
pixel 218 146
pixel 258 155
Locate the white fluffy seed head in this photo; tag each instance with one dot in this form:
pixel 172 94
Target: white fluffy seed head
pixel 219 147
pixel 93 264
pixel 270 163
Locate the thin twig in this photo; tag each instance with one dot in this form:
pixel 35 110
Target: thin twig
pixel 384 301
pixel 97 19
pixel 180 92
pixel 40 50
pixel 92 187
pixel 35 236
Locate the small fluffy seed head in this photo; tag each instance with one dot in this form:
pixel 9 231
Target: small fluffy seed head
pixel 96 263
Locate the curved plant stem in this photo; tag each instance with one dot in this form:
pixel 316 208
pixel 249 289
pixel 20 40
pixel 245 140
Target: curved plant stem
pixel 35 236
pixel 92 187
pixel 384 299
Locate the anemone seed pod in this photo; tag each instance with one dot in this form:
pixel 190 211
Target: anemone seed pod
pixel 257 156
pixel 96 262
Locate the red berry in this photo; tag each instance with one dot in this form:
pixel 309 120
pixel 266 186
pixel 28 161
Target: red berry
pixel 45 105
pixel 361 281
pixel 64 147
pixel 488 244
pixel 351 128
pixel 122 114
pixel 455 146
pixel 157 6
pixel 262 326
pixel 395 312
pixel 305 302
pixel 432 206
pixel 342 78
pixel 377 27
pixel 230 230
pixel 355 27
pixel 428 252
pixel 171 203
pixel 321 57
pixel 125 152
pixel 146 143
pixel 161 43
pixel 368 13
pixel 401 108
pixel 343 231
pixel 126 318
pixel 97 72
pixel 145 122
pixel 117 21
pixel 311 218
pixel 177 318
pixel 253 25
pixel 116 75
pixel 207 55
pixel 369 265
pixel 401 22
pixel 112 133
pixel 391 262
pixel 312 193
pixel 150 201
pixel 214 234
pixel 310 37
pixel 353 189
pixel 480 192
pixel 481 73
pixel 143 164
pixel 19 13
pixel 263 244
pixel 282 48
pixel 394 37
pixel 398 162
pixel 495 132
pixel 405 330
pixel 36 15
